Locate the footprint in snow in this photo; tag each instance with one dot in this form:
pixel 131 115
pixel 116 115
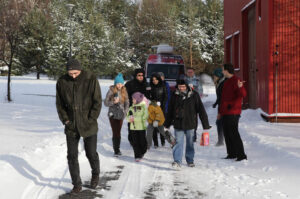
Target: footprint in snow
pixel 88 193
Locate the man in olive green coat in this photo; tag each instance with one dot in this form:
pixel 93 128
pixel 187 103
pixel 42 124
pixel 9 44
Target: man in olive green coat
pixel 78 103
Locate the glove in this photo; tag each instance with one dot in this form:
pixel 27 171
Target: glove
pixel 158 103
pixel 166 129
pixel 131 118
pixel 214 105
pixel 155 123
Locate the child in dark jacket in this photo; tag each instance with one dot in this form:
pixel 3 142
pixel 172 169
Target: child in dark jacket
pixel 156 119
pixel 137 116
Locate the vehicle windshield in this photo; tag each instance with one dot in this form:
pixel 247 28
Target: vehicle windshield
pixel 171 71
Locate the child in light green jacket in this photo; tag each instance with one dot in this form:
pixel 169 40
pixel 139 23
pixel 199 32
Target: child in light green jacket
pixel 137 116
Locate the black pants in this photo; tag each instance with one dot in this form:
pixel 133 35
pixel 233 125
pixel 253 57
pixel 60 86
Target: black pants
pixel 220 130
pixel 129 134
pixel 90 147
pixel 139 143
pixel 155 138
pixel 234 143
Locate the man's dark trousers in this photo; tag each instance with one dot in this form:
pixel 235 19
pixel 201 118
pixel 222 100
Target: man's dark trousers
pixel 234 143
pixel 90 146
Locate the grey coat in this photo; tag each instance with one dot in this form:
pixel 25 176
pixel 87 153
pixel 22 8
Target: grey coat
pixel 109 100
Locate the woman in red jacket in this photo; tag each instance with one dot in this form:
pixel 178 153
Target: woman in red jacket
pixel 233 93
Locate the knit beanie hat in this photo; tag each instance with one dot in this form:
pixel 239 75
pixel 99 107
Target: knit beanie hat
pixel 138 70
pixel 180 82
pixel 138 97
pixel 218 72
pixel 73 64
pixel 119 79
pixel 161 74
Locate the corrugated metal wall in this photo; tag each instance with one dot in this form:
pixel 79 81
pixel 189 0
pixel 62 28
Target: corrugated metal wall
pixel 286 55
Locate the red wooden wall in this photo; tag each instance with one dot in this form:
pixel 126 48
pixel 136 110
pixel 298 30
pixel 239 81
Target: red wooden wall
pixel 286 55
pixel 277 51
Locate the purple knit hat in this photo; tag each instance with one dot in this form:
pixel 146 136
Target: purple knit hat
pixel 138 97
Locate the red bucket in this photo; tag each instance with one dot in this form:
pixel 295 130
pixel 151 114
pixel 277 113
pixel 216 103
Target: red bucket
pixel 204 141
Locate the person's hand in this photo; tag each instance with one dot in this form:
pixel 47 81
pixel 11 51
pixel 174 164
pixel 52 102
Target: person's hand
pixel 158 103
pixel 191 85
pixel 155 123
pixel 214 105
pixel 67 122
pixel 116 100
pixel 131 119
pixel 166 129
pixel 207 129
pixel 218 116
pixel 240 83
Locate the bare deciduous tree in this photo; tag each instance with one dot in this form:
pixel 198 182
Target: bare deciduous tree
pixel 11 14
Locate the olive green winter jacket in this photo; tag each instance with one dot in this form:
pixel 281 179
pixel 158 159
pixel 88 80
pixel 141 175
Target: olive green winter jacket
pixel 79 101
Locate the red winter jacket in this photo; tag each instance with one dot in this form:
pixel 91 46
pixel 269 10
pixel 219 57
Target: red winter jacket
pixel 232 97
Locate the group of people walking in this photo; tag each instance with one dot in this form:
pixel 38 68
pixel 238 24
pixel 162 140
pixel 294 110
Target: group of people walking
pixel 149 109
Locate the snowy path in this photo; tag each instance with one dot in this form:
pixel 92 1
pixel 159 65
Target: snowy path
pixel 33 161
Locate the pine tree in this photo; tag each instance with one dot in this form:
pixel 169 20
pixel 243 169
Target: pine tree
pixel 36 31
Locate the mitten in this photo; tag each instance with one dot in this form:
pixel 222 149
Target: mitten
pixel 214 105
pixel 155 123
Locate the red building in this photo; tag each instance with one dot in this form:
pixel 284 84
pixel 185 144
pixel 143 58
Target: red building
pixel 262 40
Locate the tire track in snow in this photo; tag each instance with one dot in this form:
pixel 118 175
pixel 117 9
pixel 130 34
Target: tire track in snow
pixel 169 183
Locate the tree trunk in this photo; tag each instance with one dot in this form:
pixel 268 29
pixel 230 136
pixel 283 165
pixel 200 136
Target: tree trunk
pixel 8 83
pixel 191 52
pixel 37 72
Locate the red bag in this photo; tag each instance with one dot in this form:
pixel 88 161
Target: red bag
pixel 204 141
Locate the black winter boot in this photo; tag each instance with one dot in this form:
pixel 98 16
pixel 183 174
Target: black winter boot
pixel 116 146
pixel 76 189
pixel 94 181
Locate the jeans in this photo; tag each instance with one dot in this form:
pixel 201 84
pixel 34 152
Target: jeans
pixel 189 148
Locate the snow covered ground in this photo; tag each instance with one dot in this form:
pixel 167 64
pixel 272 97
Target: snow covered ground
pixel 33 155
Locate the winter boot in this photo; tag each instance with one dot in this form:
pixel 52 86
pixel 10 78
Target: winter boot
pixel 219 143
pixel 244 157
pixel 116 146
pixel 176 166
pixel 94 181
pixel 191 164
pixel 162 140
pixel 76 189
